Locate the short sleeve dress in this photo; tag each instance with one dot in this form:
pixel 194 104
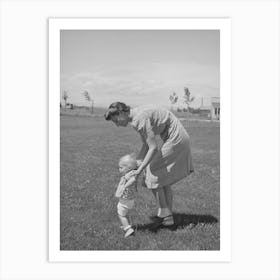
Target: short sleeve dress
pixel 173 161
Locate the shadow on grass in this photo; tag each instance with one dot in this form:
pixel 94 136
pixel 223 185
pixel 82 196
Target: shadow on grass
pixel 180 221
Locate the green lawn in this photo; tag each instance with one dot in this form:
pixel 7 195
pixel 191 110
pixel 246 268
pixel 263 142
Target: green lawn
pixel 90 150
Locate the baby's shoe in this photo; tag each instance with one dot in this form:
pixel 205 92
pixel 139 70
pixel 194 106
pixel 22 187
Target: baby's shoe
pixel 129 231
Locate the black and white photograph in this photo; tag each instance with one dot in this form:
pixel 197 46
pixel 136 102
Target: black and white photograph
pixel 140 140
pixel 139 118
pixel 136 165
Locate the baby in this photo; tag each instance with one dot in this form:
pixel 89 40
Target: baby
pixel 126 192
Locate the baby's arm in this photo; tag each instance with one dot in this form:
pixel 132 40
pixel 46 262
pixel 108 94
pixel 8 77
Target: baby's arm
pixel 120 189
pixel 130 182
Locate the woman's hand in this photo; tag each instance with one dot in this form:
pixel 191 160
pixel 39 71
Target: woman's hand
pixel 134 173
pixel 139 162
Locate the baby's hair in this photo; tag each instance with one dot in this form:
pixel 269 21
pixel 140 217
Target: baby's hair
pixel 115 109
pixel 130 160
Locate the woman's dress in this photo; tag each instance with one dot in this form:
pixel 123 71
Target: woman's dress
pixel 173 160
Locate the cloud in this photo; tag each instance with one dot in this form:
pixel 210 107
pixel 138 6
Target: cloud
pixel 142 82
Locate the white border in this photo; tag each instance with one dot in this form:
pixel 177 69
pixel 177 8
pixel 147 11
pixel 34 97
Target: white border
pixel 55 25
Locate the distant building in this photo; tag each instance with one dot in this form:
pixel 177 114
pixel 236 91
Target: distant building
pixel 215 108
pixel 205 112
pixel 69 106
pixel 211 111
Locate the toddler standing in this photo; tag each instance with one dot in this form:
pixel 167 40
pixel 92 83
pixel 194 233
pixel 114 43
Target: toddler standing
pixel 126 192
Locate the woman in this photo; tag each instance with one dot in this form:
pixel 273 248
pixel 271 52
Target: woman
pixel 164 165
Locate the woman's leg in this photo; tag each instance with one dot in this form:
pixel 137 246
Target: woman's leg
pixel 163 210
pixel 169 221
pixel 160 197
pixel 168 197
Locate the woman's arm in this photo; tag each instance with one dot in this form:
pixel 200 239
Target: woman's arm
pixel 144 149
pixel 121 187
pixel 152 150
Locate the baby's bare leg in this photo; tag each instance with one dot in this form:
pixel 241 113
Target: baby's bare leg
pixel 123 215
pixel 124 221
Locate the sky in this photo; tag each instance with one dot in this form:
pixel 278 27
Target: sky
pixel 139 66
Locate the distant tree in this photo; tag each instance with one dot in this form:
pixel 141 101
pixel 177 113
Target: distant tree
pixel 88 98
pixel 65 97
pixel 188 98
pixel 173 99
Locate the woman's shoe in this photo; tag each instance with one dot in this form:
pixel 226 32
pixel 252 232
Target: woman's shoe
pixel 129 232
pixel 168 221
pixel 165 221
pixel 155 218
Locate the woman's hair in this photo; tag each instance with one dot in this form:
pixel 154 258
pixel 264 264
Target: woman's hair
pixel 129 160
pixel 115 109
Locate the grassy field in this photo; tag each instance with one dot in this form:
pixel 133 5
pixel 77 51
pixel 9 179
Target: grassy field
pixel 90 150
